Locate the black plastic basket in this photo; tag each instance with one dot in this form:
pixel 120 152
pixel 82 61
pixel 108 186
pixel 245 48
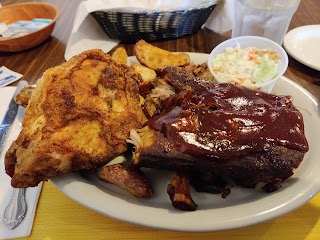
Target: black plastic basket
pixel 131 27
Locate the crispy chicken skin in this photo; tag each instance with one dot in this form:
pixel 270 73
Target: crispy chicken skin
pixel 79 117
pixel 23 97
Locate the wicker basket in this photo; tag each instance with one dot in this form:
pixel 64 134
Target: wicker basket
pixel 131 27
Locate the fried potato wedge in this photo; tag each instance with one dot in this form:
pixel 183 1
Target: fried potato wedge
pixel 179 192
pixel 147 74
pixel 128 177
pixel 154 57
pixel 120 56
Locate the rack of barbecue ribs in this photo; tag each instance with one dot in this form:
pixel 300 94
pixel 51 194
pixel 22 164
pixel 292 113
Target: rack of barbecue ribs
pixel 223 131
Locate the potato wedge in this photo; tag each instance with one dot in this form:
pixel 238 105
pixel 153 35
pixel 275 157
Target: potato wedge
pixel 154 57
pixel 120 56
pixel 128 177
pixel 147 74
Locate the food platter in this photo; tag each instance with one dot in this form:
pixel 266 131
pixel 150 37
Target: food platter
pixel 241 208
pixel 303 44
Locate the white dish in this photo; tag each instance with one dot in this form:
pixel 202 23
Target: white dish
pixel 257 42
pixel 303 44
pixel 241 208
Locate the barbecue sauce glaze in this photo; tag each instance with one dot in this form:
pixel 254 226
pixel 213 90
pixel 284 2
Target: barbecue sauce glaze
pixel 226 121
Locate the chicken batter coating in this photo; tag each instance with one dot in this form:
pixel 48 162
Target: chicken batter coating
pixel 79 117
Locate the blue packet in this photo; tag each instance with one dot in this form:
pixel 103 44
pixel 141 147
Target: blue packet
pixel 23 27
pixel 8 76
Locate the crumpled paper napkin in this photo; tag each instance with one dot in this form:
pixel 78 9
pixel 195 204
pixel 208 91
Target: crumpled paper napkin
pixel 221 18
pixel 87 34
pixel 32 194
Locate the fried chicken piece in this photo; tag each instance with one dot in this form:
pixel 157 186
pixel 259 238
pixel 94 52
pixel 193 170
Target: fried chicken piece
pixel 79 117
pixel 23 97
pixel 128 177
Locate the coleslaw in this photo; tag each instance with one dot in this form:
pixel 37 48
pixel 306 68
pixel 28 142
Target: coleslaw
pixel 247 67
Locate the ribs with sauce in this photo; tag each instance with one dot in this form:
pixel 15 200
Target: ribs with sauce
pixel 230 131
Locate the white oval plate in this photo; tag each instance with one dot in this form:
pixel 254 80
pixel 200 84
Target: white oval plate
pixel 303 44
pixel 241 208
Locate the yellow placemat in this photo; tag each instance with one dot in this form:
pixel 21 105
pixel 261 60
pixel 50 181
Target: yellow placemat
pixel 59 217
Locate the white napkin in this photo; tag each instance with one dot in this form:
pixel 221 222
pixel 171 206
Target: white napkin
pixel 32 194
pixel 221 18
pixel 87 34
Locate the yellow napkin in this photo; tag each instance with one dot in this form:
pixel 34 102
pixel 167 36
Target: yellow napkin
pixel 59 217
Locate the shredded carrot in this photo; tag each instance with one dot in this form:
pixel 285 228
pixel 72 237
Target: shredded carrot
pixel 253 58
pixel 217 69
pixel 239 80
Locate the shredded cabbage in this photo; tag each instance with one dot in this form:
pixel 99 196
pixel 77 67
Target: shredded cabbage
pixel 247 67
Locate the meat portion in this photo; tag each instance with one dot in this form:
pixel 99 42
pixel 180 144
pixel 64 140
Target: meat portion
pixel 206 181
pixel 246 135
pixel 272 166
pixel 79 117
pixel 200 70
